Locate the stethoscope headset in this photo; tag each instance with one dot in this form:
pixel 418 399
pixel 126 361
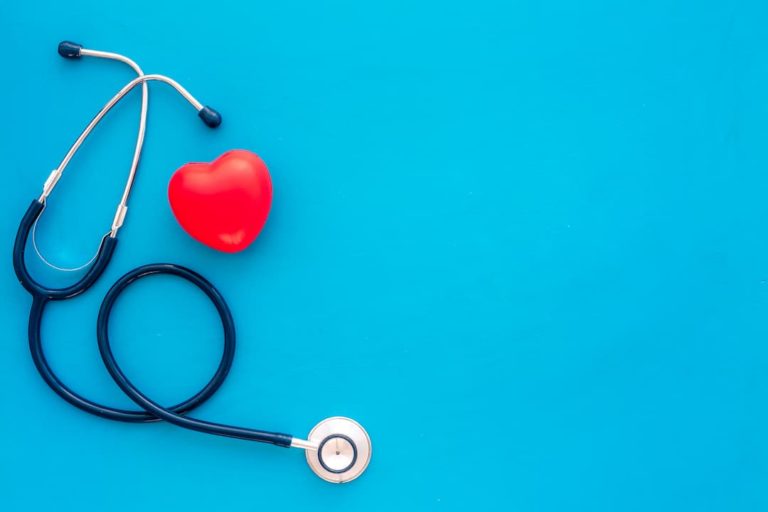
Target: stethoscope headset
pixel 337 449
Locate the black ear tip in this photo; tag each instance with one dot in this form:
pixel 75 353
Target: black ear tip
pixel 70 50
pixel 210 117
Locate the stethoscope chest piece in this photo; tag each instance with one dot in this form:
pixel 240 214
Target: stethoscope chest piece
pixel 343 450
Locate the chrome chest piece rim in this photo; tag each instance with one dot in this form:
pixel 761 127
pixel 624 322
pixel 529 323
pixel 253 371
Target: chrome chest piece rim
pixel 343 450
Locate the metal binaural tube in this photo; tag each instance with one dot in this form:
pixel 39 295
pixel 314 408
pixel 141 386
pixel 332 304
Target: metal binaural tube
pixel 73 50
pixel 142 118
pixel 120 214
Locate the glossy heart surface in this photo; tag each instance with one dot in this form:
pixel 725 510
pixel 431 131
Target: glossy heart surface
pixel 223 204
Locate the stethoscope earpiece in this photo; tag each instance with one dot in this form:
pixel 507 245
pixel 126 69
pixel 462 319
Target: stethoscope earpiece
pixel 210 117
pixel 70 50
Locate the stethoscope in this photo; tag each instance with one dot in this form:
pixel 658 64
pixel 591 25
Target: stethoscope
pixel 337 449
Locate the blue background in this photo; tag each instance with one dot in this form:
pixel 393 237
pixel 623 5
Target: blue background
pixel 524 243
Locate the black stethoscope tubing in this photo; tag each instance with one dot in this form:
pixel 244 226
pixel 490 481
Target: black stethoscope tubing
pixel 152 411
pixel 149 405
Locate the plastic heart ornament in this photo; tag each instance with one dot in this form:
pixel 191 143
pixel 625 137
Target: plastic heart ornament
pixel 223 204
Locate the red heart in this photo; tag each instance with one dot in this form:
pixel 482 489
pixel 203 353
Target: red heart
pixel 225 203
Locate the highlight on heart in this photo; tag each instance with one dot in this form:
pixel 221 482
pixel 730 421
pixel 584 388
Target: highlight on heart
pixel 223 204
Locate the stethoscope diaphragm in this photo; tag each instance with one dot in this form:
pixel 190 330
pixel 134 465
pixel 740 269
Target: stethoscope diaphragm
pixel 343 450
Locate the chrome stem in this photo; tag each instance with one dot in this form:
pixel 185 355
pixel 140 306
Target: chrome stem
pixel 304 444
